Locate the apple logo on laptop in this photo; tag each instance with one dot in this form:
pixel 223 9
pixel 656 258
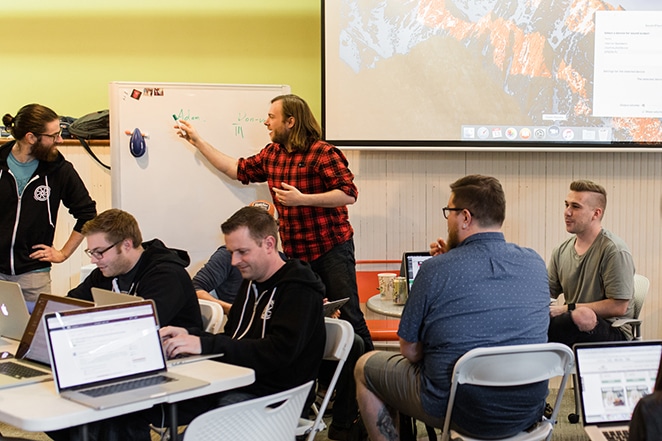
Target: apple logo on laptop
pixel 3 309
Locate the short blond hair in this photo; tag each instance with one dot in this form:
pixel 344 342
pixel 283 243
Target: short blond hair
pixel 583 185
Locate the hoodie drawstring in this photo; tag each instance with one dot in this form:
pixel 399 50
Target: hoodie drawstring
pixel 48 202
pixel 252 317
pixel 243 310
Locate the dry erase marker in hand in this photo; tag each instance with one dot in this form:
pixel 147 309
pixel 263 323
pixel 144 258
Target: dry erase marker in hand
pixel 179 124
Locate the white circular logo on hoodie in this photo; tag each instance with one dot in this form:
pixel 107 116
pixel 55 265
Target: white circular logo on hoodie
pixel 42 192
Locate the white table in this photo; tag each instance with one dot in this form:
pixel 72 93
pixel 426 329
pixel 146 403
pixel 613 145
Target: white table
pixel 37 407
pixel 384 306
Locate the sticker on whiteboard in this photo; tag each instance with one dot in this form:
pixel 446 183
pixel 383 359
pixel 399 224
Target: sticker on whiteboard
pixel 136 94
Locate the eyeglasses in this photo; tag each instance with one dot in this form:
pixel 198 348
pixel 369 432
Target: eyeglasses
pixel 54 136
pixel 447 210
pixel 98 254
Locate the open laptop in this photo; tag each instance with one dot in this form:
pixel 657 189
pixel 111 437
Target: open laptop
pixel 31 363
pixel 103 297
pixel 411 262
pixel 612 378
pixel 14 313
pixel 111 355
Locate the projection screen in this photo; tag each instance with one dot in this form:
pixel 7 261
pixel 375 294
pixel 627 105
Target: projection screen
pixel 498 74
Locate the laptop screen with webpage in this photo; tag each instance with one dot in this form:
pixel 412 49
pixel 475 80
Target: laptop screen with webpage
pixel 613 377
pixel 104 344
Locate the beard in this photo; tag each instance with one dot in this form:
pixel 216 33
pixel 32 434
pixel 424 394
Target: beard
pixel 43 153
pixel 453 240
pixel 280 136
pixel 280 139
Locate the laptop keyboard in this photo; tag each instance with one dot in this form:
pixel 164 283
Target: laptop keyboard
pixel 126 386
pixel 19 371
pixel 616 435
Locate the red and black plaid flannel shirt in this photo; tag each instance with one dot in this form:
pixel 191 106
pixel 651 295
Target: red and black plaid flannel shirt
pixel 307 232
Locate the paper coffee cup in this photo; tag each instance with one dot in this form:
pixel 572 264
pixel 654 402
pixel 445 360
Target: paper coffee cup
pixel 386 285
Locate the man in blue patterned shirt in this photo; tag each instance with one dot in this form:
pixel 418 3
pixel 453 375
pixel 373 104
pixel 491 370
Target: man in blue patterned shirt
pixel 479 291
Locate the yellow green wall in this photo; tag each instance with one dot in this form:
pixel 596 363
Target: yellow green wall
pixel 64 54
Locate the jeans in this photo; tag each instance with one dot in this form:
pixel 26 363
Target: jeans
pixel 563 330
pixel 337 269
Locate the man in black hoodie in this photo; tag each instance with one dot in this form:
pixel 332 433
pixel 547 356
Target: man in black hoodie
pixel 147 269
pixel 34 179
pixel 275 327
pixel 276 323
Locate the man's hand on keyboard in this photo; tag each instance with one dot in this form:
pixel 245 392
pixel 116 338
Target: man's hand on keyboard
pixel 177 341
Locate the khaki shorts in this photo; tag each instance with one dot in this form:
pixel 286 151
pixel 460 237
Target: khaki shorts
pixel 397 382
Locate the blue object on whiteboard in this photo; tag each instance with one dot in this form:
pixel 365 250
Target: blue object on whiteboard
pixel 137 145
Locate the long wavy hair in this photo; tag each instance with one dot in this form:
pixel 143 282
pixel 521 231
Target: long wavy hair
pixel 306 130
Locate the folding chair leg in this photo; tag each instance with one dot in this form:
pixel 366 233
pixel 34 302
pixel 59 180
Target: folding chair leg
pixel 573 418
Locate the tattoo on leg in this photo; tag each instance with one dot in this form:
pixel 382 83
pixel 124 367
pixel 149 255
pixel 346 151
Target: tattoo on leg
pixel 385 424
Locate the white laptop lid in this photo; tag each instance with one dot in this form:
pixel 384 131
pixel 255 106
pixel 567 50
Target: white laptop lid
pixel 613 377
pixel 411 263
pixel 14 314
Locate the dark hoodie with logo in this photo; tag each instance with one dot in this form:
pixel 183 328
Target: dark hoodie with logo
pixel 159 275
pixel 275 328
pixel 29 219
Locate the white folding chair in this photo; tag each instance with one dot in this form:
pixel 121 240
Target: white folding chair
pixel 212 316
pixel 511 366
pixel 339 340
pixel 270 418
pixel 641 286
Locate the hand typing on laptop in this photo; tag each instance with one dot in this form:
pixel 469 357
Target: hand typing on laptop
pixel 177 341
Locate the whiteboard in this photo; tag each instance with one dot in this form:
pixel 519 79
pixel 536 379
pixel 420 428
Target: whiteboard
pixel 173 192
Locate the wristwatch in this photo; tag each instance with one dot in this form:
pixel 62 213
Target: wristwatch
pixel 571 306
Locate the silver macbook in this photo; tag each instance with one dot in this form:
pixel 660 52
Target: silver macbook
pixel 111 355
pixel 103 297
pixel 31 363
pixel 14 313
pixel 411 262
pixel 613 377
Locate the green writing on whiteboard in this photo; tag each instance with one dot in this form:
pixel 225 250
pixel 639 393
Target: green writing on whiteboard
pixel 186 116
pixel 243 118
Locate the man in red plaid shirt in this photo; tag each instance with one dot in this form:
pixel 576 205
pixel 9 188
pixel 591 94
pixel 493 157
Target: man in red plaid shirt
pixel 311 186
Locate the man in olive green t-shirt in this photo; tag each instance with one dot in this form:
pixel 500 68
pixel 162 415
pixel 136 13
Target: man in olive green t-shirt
pixel 593 269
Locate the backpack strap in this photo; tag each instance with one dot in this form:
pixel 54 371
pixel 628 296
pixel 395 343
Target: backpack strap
pixel 86 146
